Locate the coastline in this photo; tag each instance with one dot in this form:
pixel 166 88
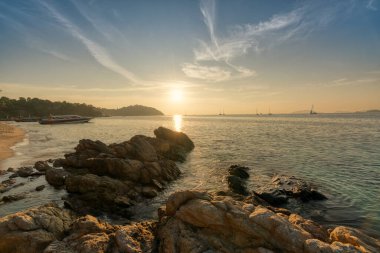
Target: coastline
pixel 9 136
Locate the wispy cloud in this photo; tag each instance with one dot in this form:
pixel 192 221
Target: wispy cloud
pixel 371 5
pixel 97 51
pixel 56 54
pixel 243 39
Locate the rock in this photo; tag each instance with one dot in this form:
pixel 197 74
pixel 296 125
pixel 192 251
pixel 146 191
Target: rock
pixel 7 184
pixel 282 188
pixel 143 149
pixel 239 171
pixel 40 188
pixel 14 197
pixel 149 192
pixel 24 171
pixel 356 238
pixel 42 166
pixel 10 169
pixel 59 162
pixel 91 192
pixel 199 222
pixel 103 178
pixel 88 234
pixel 274 197
pixel 32 230
pixel 56 177
pixel 237 185
pixel 177 138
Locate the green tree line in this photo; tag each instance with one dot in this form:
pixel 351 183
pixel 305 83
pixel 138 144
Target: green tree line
pixel 35 107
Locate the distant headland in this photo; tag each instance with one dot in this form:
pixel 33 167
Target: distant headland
pixel 35 107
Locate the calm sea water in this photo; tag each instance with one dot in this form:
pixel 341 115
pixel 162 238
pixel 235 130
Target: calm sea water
pixel 338 153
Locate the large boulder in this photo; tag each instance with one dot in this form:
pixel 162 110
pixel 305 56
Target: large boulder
pixel 32 230
pixel 199 222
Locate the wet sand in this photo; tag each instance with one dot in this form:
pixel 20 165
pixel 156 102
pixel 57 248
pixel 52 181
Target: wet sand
pixel 9 136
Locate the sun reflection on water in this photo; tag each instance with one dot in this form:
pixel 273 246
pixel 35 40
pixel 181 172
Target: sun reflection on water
pixel 177 121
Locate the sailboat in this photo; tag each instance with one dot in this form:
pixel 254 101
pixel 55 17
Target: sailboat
pixel 312 110
pixel 269 113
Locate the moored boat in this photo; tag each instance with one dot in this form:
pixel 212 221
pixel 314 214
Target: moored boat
pixel 64 119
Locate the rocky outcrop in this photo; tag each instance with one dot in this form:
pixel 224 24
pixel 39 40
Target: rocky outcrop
pixel 108 178
pixel 51 229
pixel 282 188
pixel 199 222
pixel 31 231
pixel 88 234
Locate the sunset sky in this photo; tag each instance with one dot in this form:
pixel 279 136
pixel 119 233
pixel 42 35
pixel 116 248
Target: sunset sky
pixel 194 57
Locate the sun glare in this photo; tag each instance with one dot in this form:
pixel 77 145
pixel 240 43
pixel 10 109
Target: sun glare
pixel 177 120
pixel 176 95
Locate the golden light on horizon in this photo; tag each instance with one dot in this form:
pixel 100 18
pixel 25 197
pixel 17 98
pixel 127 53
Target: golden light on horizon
pixel 177 121
pixel 176 95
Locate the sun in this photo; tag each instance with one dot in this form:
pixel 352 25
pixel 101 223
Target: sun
pixel 176 95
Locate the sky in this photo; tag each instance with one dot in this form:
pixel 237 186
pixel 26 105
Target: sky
pixel 194 57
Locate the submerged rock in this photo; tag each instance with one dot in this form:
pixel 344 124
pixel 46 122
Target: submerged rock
pixel 199 222
pixel 282 188
pixel 14 197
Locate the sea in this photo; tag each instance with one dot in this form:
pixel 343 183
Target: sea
pixel 338 153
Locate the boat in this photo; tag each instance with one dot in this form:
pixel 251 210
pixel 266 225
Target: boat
pixel 64 119
pixel 312 110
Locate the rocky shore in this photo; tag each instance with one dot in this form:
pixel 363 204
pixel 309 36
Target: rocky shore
pixel 100 179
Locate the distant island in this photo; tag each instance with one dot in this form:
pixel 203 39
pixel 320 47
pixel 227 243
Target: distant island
pixel 35 107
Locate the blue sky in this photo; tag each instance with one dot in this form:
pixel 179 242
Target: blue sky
pixel 239 55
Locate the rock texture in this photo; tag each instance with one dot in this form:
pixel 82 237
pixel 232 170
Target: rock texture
pixel 31 231
pixel 199 222
pixel 282 188
pixel 51 229
pixel 108 178
pixel 88 234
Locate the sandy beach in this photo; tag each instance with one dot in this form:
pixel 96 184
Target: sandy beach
pixel 9 136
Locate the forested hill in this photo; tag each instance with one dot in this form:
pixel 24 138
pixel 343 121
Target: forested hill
pixel 35 107
pixel 132 110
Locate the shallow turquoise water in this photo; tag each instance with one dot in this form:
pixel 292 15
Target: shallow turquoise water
pixel 338 153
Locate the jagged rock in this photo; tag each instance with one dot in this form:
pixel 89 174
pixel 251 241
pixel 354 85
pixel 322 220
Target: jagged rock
pixel 239 171
pixel 109 178
pixel 56 177
pixel 42 166
pixel 88 234
pixel 282 188
pixel 199 222
pixel 32 230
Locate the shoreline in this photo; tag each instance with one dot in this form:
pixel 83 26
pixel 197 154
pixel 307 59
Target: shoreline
pixel 9 135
